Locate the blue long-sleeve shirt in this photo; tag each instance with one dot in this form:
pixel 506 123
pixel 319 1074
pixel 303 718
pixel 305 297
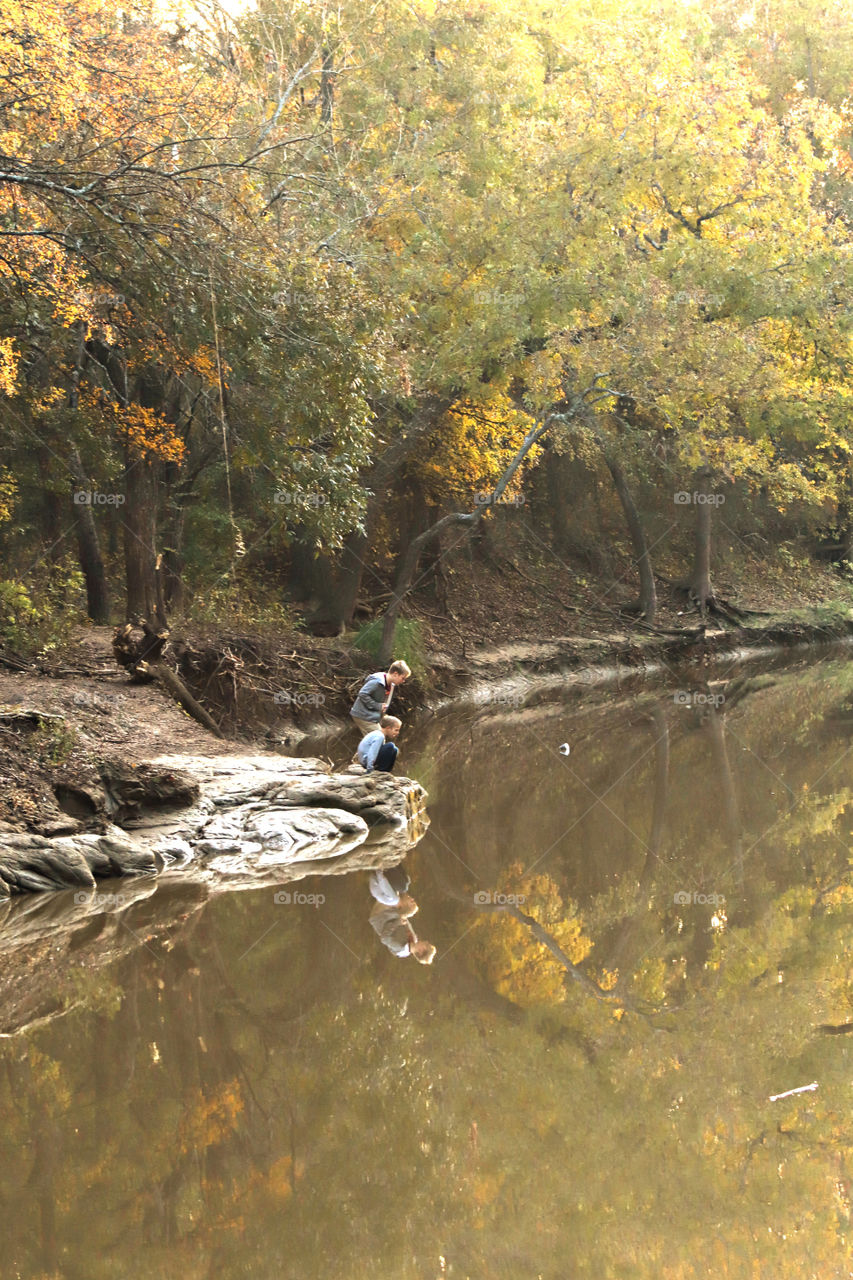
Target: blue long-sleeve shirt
pixel 368 748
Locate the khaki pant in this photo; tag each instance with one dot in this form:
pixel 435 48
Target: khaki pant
pixel 365 726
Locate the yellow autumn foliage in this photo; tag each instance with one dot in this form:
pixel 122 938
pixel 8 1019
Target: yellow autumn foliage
pixel 514 961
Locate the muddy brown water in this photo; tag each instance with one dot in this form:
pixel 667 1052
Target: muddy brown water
pixel 643 939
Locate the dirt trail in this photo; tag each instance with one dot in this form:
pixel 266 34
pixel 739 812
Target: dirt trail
pixel 105 717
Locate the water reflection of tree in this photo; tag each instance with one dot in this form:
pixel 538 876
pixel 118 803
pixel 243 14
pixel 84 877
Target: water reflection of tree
pixel 624 935
pixel 734 999
pixel 314 1113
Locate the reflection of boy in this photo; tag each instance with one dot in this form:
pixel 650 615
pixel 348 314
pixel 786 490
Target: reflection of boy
pixel 388 886
pixel 395 932
pixel 377 749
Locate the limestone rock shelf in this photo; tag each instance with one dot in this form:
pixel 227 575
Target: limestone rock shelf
pixel 229 821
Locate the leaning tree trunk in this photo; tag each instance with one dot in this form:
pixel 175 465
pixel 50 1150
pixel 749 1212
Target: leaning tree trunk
pixel 408 563
pixel 140 651
pixel 700 582
pixel 342 583
pixel 89 546
pixel 648 602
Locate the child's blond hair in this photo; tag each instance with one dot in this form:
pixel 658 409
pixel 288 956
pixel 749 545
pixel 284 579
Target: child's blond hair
pixel 424 952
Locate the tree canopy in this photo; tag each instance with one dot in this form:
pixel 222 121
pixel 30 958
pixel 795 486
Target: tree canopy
pixel 282 279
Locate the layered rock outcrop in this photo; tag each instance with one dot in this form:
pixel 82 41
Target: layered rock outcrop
pixel 238 821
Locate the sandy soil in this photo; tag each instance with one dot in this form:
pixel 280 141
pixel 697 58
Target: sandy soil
pixel 104 716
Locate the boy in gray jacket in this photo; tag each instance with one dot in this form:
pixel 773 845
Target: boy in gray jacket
pixel 375 695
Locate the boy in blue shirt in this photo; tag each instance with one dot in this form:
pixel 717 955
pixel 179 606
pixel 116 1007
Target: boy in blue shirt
pixel 377 750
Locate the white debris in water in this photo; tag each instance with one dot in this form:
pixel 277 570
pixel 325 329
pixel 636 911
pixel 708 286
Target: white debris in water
pixel 789 1093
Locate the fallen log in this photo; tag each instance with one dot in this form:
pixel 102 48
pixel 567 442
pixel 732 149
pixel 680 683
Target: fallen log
pixel 141 651
pixel 176 689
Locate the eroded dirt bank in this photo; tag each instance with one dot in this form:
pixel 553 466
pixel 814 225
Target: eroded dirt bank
pixel 67 722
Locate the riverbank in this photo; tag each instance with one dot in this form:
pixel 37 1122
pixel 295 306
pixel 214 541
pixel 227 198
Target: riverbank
pixel 68 717
pixel 496 611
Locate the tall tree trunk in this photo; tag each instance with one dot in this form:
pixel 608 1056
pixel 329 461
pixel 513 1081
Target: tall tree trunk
pixel 311 573
pixel 351 567
pixel 331 590
pixel 415 517
pixel 845 516
pixel 53 507
pixel 89 546
pixel 327 86
pixel 173 551
pixel 174 593
pixel 405 574
pixel 700 582
pixel 335 586
pixel 341 587
pixel 144 567
pixel 648 596
pixel 810 67
pixel 138 512
pixel 140 556
pixel 556 467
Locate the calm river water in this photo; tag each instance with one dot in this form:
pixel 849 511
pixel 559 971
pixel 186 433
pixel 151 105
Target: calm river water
pixel 586 1081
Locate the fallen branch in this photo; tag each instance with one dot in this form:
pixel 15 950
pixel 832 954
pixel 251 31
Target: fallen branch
pixel 30 715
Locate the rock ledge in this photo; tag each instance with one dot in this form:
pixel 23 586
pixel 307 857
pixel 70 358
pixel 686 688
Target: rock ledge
pixel 244 821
